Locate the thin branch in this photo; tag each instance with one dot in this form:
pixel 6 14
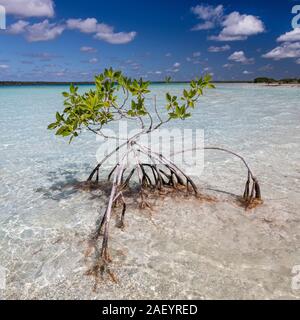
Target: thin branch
pixel 219 149
pixel 156 111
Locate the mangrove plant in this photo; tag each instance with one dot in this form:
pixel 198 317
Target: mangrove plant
pixel 116 97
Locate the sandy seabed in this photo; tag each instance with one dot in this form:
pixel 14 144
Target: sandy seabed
pixel 187 249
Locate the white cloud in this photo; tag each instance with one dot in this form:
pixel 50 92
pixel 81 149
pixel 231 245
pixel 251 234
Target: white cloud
pixel 195 58
pixel 247 72
pixel 227 65
pixel 207 12
pixel 203 26
pixel 42 31
pixel 45 30
pixel 298 61
pixel 88 49
pixel 116 38
pixel 4 66
pixel 289 48
pixel 29 8
pixel 239 56
pixel 209 15
pixel 176 65
pixel 89 25
pixel 102 31
pixel 219 49
pixel 168 55
pixel 93 60
pixel 290 36
pixel 239 27
pixel 59 74
pixel 18 27
pixel 158 72
pixel 235 26
pixel 284 51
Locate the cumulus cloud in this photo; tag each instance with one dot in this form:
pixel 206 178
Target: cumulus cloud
pixel 238 26
pixel 291 36
pixel 116 38
pixel 102 31
pixel 239 56
pixel 207 12
pixel 18 27
pixel 284 51
pixel 42 31
pixel 247 72
pixel 4 66
pixel 88 49
pixel 219 49
pixel 176 65
pixel 29 8
pixel 289 47
pixel 209 15
pixel 235 26
pixel 89 25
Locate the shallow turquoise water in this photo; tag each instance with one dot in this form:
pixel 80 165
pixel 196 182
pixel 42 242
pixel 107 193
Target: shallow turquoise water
pixel 44 221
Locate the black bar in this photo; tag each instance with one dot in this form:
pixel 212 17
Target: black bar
pixel 145 309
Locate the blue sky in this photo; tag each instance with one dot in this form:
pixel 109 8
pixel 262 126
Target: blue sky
pixel 63 40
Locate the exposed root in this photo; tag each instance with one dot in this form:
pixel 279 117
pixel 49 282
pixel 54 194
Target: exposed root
pixel 252 199
pixel 157 178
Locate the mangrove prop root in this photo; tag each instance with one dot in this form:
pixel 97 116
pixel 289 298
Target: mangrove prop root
pixel 157 176
pixel 252 199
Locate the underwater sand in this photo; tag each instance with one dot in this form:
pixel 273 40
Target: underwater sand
pixel 186 249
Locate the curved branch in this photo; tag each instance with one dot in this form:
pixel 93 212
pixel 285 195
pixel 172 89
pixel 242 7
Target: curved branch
pixel 219 149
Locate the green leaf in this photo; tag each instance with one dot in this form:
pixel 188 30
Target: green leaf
pixel 58 117
pixel 99 106
pixel 63 131
pixel 72 88
pixel 52 126
pixel 173 115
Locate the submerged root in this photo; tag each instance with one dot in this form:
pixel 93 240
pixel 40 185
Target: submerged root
pixel 252 199
pixel 158 178
pixel 99 270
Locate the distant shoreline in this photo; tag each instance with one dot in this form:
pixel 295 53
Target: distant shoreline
pixel 79 83
pixel 46 83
